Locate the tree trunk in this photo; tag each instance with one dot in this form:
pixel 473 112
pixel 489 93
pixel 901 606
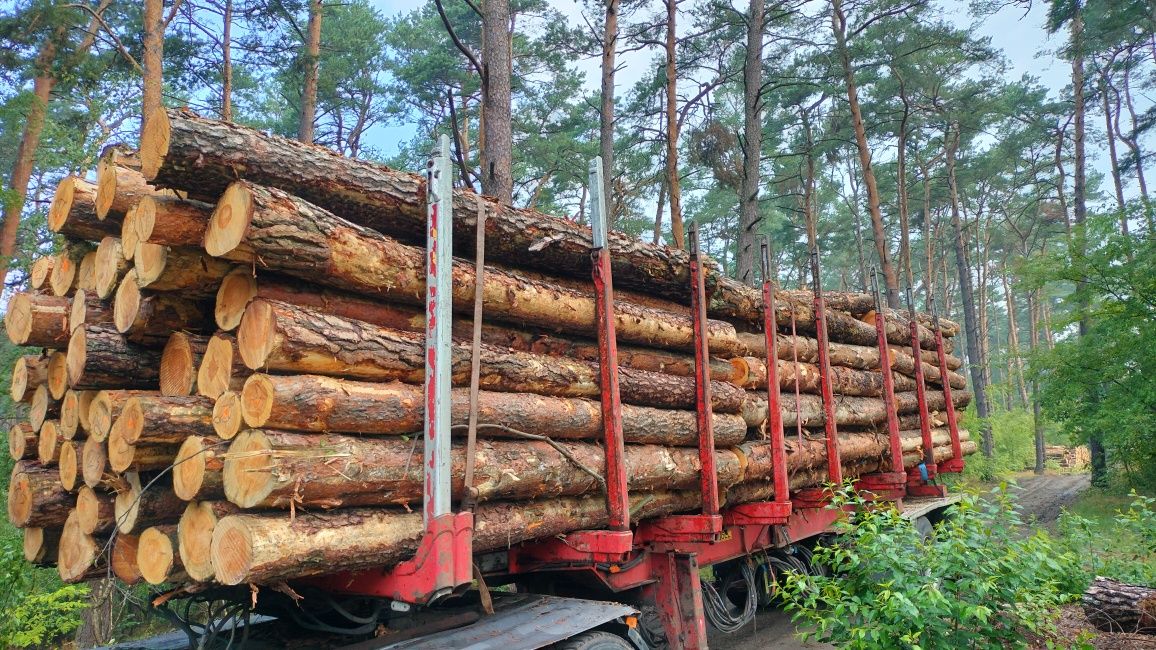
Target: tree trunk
pixel 280 337
pixel 1133 142
pixel 23 441
pixel 95 512
pixel 749 217
pixel 120 185
pixel 227 62
pixel 606 107
pixel 807 410
pixel 1037 418
pixel 188 270
pixel 150 319
pixel 310 60
pixel 159 419
pixel 25 156
pixel 320 404
pixel 152 103
pixel 1109 132
pixel 844 381
pixel 497 151
pixel 195 536
pixel 673 189
pixel 969 314
pixel 839 23
pixel 265 226
pixel 1114 606
pixel 221 367
pixel 87 309
pixel 40 545
pixel 1013 337
pixel 106 409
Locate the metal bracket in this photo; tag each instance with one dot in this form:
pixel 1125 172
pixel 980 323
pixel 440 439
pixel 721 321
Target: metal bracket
pixel 956 462
pixel 895 444
pixel 834 462
pixel 915 477
pixel 706 453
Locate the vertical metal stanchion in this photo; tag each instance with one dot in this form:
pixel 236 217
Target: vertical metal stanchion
pixel 709 480
pixel 956 462
pixel 834 461
pixel 896 446
pixel 928 467
pixel 774 396
pixel 438 331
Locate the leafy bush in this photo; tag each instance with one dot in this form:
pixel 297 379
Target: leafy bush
pixel 975 582
pixel 1122 548
pixel 1013 435
pixel 40 619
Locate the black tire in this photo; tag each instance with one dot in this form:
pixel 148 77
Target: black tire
pixel 924 526
pixel 595 640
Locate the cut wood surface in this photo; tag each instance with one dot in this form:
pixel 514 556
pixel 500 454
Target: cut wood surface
pixel 109 267
pixel 23 442
pixel 64 277
pixel 197 469
pixel 36 498
pixel 151 318
pixel 42 407
pixel 41 544
pixel 86 308
pixel 86 273
pixel 41 269
pixel 158 557
pixel 267 227
pixel 180 360
pixel 188 270
pixel 160 419
pixel 48 449
pixel 94 462
pixel 119 187
pixel 101 357
pixel 69 464
pixel 124 456
pixel 314 403
pixel 122 558
pixel 79 553
pixel 165 221
pixel 195 535
pixel 28 373
pixel 145 503
pixel 95 511
pixel 58 373
pixel 221 368
pixel 281 337
pixel 73 212
pixel 106 407
pixel 74 421
pixel 38 320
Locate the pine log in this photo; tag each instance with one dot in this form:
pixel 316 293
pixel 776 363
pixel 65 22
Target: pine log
pixel 48 445
pixel 42 407
pixel 166 221
pixel 267 227
pixel 844 381
pixel 107 407
pixel 86 308
pixel 95 511
pixel 195 536
pixel 157 555
pixel 142 504
pixel 932 357
pixel 158 419
pixel 119 187
pixel 262 548
pixel 313 403
pixel 38 320
pixel 271 469
pixel 280 337
pixel 23 442
pixel 40 545
pixel 100 357
pixel 86 273
pixel 180 360
pixel 74 408
pixel 240 288
pixel 188 270
pixel 28 373
pixel 64 278
pixel 197 469
pixel 1115 606
pixel 851 411
pixel 73 212
pixel 221 368
pixel 110 267
pixel 36 498
pixel 68 466
pixel 41 269
pixel 122 558
pixel 58 374
pixel 94 463
pixel 151 318
pixel 80 556
pixel 124 456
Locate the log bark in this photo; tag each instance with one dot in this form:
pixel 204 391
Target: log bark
pixel 110 267
pixel 165 221
pixel 42 407
pixel 188 270
pixel 850 411
pixel 274 469
pixel 106 408
pixel 1114 606
pixel 139 457
pixel 119 184
pixel 122 558
pixel 318 404
pixel 137 508
pixel 158 419
pixel 240 288
pixel 58 374
pixel 197 469
pixel 100 357
pixel 179 362
pixel 844 381
pixel 40 545
pixel 95 512
pixel 36 498
pixel 80 554
pixel 28 373
pixel 273 229
pixel 73 212
pixel 87 309
pixel 157 555
pixel 22 441
pixel 150 319
pixel 48 445
pixel 221 368
pixel 69 464
pixel 280 337
pixel 38 320
pixel 195 536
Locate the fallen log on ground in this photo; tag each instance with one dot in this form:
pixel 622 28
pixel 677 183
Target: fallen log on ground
pixel 1115 606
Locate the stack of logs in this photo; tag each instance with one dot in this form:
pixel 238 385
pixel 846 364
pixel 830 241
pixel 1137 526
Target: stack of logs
pixel 230 383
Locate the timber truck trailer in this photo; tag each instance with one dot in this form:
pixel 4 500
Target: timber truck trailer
pixel 635 584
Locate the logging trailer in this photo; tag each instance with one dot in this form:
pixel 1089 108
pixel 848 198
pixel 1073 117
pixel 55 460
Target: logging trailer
pixel 633 584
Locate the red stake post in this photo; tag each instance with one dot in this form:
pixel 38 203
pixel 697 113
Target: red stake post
pixel 886 484
pixel 956 462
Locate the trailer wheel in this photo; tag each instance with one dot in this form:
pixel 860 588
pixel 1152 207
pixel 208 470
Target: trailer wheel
pixel 924 526
pixel 595 640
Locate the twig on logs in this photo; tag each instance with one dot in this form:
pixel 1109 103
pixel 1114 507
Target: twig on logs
pixel 533 436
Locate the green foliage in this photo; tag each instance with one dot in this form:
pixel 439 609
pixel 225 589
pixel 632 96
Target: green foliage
pixel 976 582
pixel 42 618
pixel 1121 546
pixel 1013 433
